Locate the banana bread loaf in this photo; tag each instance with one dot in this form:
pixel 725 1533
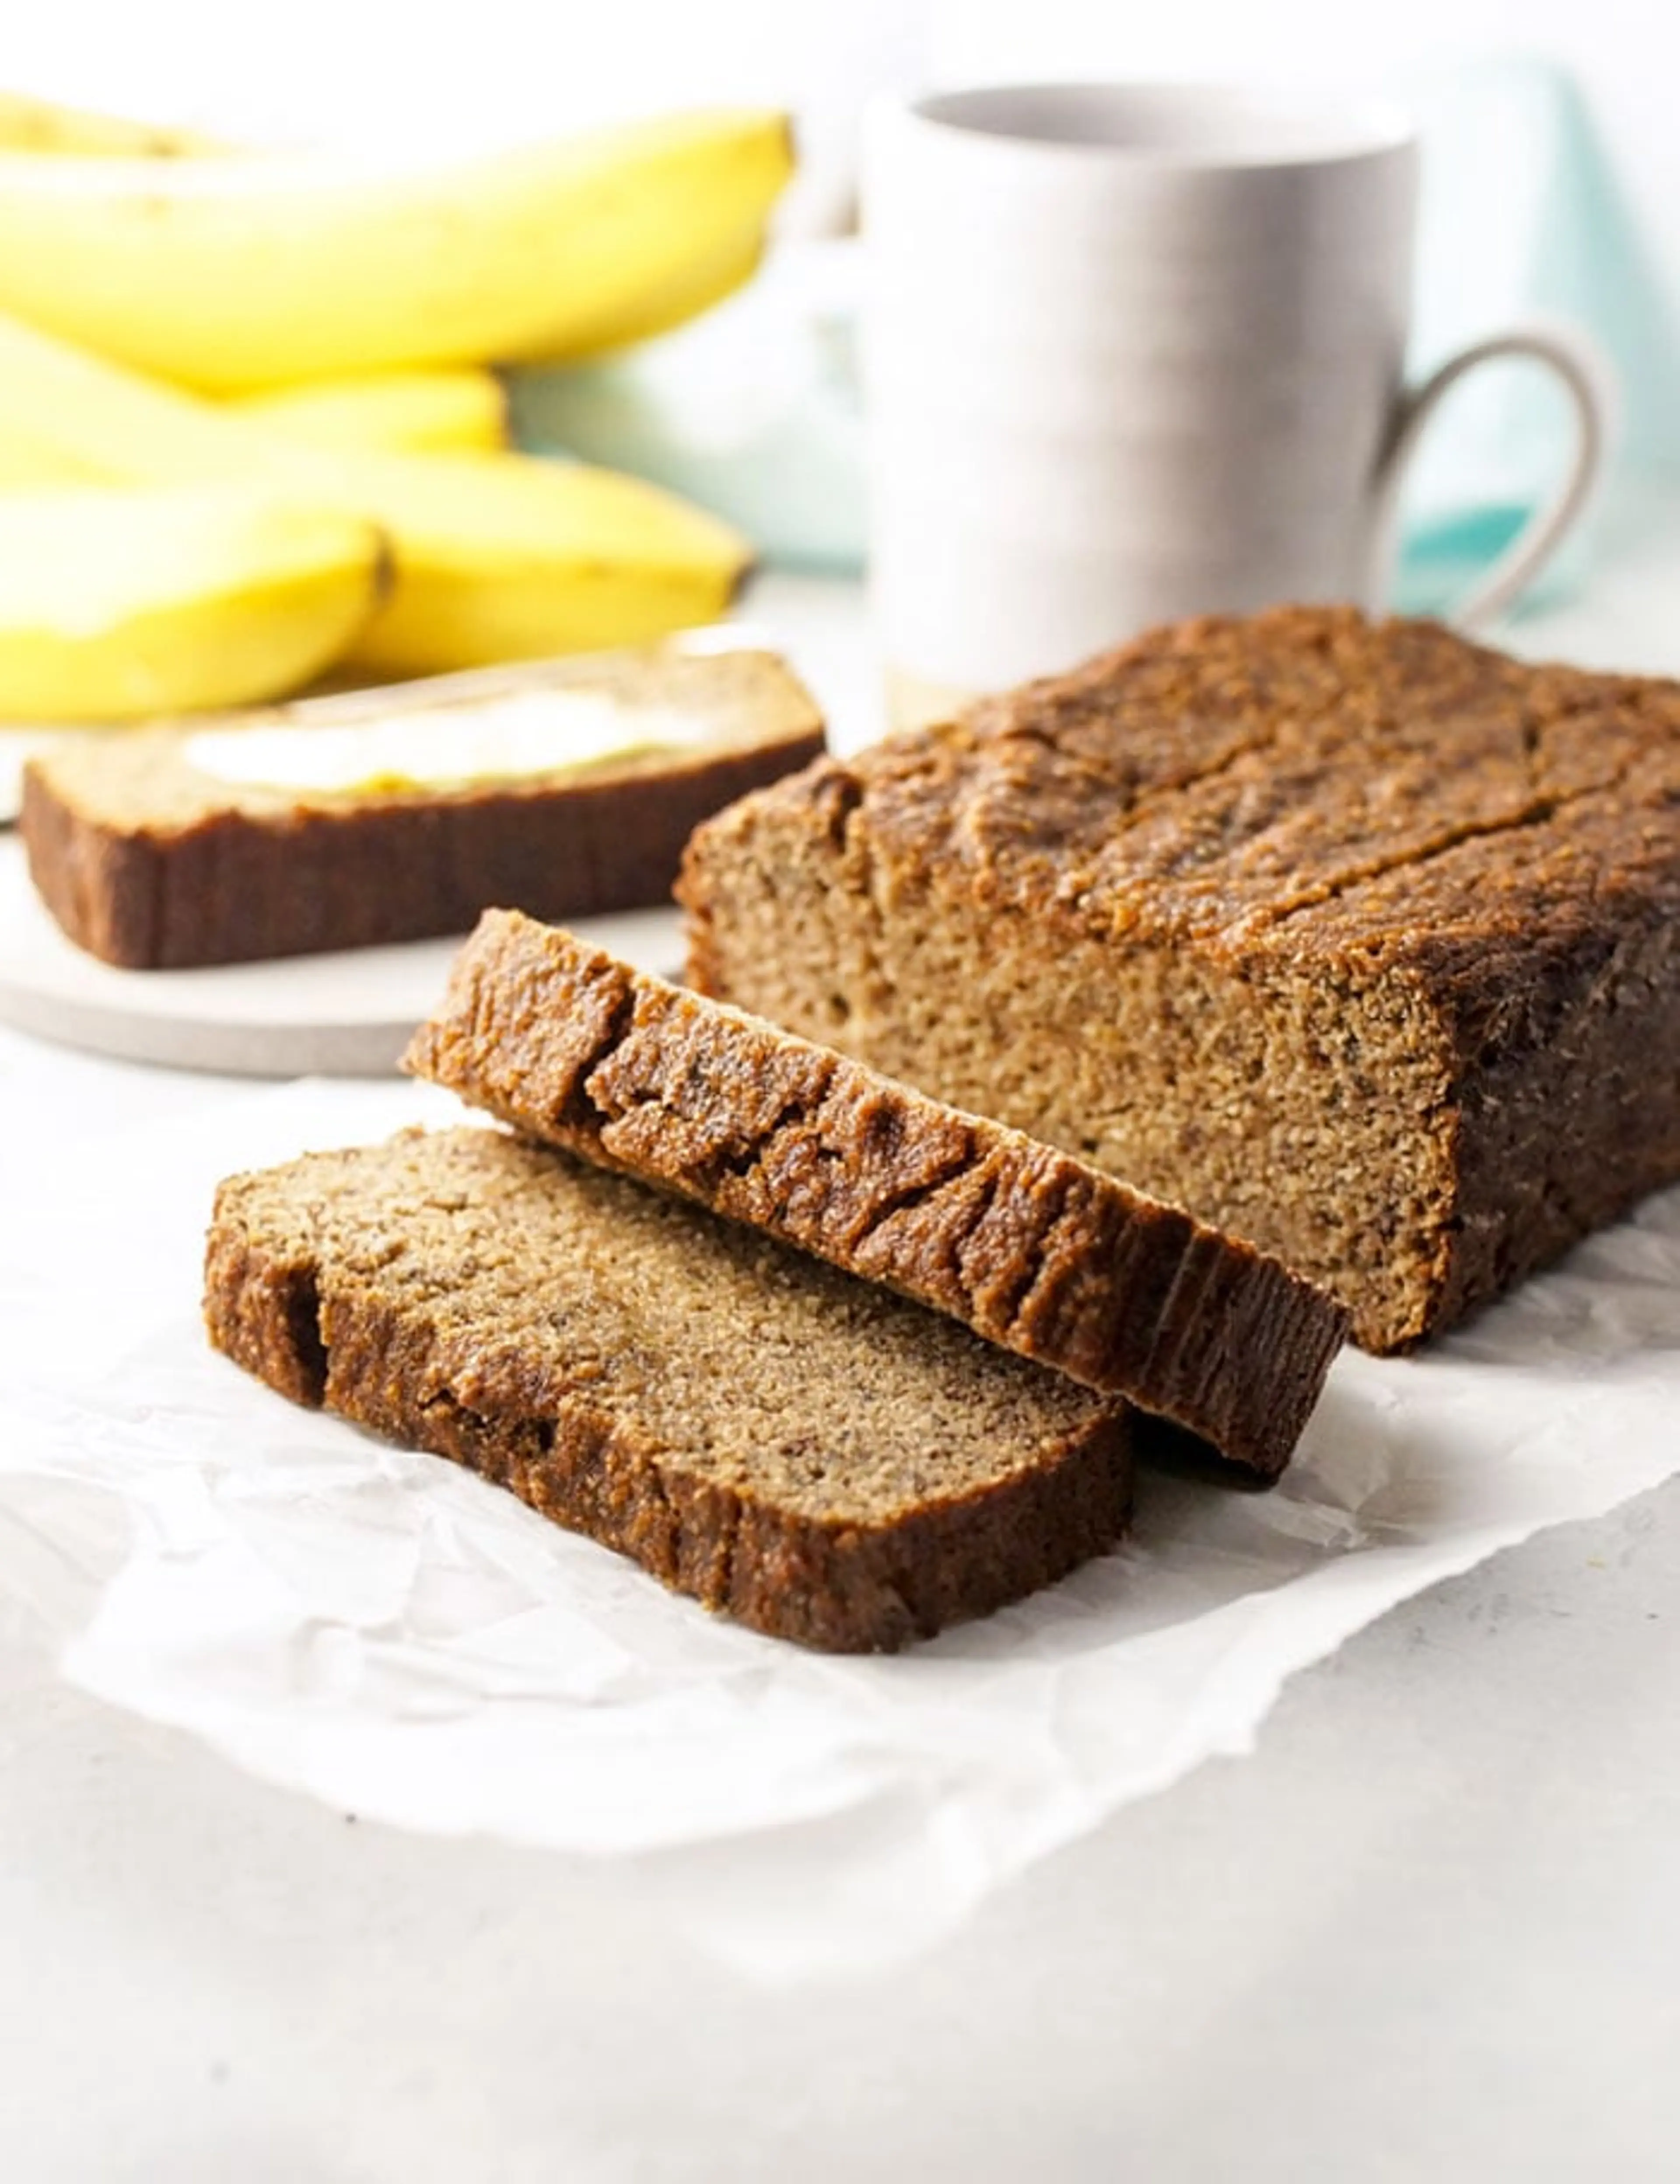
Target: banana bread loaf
pixel 1033 1250
pixel 1356 939
pixel 810 1454
pixel 398 815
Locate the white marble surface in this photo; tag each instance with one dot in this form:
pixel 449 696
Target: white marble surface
pixel 1425 1931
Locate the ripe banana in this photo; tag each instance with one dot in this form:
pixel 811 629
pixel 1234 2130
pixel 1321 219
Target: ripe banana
pixel 708 278
pixel 460 410
pixel 116 603
pixel 451 409
pixel 40 125
pixel 242 272
pixel 26 462
pixel 495 557
pixel 506 557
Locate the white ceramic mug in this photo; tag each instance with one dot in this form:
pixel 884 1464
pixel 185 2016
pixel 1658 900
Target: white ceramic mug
pixel 1136 352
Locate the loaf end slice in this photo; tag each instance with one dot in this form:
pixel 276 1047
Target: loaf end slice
pixel 1038 1251
pixel 821 1460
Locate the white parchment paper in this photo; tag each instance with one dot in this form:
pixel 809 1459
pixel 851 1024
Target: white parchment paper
pixel 389 1635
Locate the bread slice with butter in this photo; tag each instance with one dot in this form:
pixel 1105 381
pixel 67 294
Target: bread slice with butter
pixel 564 788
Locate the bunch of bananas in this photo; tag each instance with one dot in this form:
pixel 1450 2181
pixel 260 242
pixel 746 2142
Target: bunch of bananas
pixel 248 428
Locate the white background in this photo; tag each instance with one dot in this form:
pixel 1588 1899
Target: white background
pixel 341 67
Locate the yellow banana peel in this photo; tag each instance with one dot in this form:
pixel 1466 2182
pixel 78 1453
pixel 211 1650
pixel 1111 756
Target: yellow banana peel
pixel 462 410
pixel 237 273
pixel 25 463
pixel 42 124
pixel 704 280
pixel 451 409
pixel 494 556
pixel 116 603
pixel 510 558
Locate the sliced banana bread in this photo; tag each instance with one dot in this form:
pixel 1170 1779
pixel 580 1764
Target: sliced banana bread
pixel 1033 1250
pixel 809 1453
pixel 567 787
pixel 1358 941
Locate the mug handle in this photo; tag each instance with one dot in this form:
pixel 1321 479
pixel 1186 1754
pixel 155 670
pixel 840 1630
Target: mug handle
pixel 1587 378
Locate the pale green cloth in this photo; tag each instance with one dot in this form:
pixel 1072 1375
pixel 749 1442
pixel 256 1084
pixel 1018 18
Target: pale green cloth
pixel 752 410
pixel 1522 219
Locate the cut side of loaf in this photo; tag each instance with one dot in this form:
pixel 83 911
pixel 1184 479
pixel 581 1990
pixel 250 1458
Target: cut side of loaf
pixel 1359 941
pixel 232 839
pixel 1036 1251
pixel 817 1458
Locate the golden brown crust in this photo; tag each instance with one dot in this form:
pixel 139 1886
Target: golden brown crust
pixel 1036 1252
pixel 1359 940
pixel 818 1459
pixel 1304 777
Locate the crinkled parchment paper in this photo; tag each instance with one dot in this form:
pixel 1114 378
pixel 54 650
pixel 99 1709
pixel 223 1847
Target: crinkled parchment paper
pixel 392 1636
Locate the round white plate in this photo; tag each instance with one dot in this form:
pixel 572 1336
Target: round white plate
pixel 346 1015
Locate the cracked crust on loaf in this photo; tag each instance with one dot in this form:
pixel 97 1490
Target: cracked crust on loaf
pixel 1360 941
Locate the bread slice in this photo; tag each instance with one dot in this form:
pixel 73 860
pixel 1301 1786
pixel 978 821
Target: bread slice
pixel 1358 941
pixel 1035 1251
pixel 817 1458
pixel 169 847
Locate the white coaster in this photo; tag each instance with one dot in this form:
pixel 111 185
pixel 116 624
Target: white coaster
pixel 344 1014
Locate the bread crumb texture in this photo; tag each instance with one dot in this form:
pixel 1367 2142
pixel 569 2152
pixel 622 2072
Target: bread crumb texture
pixel 823 1459
pixel 1038 1251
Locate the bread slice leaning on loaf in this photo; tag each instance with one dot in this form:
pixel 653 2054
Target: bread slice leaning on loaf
pixel 1358 941
pixel 808 1453
pixel 1038 1252
pixel 164 848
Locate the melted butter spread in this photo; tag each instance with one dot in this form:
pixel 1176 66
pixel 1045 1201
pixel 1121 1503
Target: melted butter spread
pixel 529 733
